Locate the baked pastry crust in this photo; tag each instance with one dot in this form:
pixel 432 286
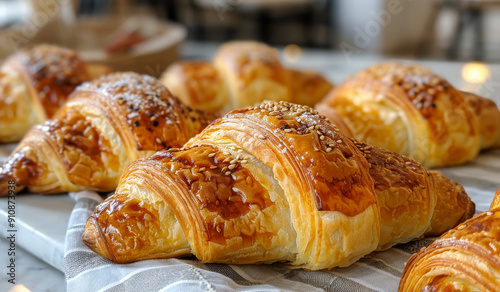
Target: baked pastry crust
pixel 274 182
pixel 35 83
pixel 106 124
pixel 466 258
pixel 242 74
pixel 412 111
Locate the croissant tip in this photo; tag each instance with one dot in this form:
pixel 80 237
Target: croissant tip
pixel 91 239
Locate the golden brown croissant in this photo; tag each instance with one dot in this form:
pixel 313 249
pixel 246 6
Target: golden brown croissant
pixel 275 182
pixel 242 74
pixel 466 258
pixel 410 110
pixel 105 125
pixel 35 83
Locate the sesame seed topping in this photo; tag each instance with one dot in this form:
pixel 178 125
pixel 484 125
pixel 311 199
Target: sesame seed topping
pixel 213 166
pixel 461 227
pixel 339 141
pixel 218 229
pixel 202 169
pixel 231 167
pixel 328 149
pixel 261 137
pixel 244 161
pixel 158 140
pixel 489 213
pixel 227 173
pixel 288 130
pixel 211 154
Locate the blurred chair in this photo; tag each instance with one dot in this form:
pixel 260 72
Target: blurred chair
pixel 265 14
pixel 470 15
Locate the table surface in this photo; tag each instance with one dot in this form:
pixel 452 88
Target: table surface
pixel 37 275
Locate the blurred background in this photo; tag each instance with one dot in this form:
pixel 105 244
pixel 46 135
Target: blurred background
pixel 430 29
pixel 336 37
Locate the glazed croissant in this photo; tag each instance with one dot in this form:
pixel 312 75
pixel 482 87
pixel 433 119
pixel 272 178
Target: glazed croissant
pixel 467 258
pixel 274 182
pixel 35 83
pixel 410 110
pixel 104 126
pixel 242 74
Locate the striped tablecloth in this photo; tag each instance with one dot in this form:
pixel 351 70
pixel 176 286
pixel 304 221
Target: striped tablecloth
pixel 378 271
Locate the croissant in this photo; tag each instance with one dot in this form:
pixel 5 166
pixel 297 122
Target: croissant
pixel 270 183
pixel 105 125
pixel 466 258
pixel 410 110
pixel 35 83
pixel 242 74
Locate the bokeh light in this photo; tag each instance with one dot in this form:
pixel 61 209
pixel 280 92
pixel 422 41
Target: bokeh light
pixel 292 53
pixel 475 72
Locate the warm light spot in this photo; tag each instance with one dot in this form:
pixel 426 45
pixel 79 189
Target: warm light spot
pixel 475 72
pixel 292 53
pixel 19 288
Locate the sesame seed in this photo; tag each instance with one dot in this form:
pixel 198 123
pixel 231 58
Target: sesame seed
pixel 202 169
pixel 461 227
pixel 213 166
pixel 339 141
pixel 231 167
pixel 408 162
pixel 244 161
pixel 227 173
pixel 211 154
pixel 328 149
pixel 218 229
pixel 158 140
pixel 288 130
pixel 489 213
pixel 225 153
pixel 233 161
pixel 262 137
pixel 322 137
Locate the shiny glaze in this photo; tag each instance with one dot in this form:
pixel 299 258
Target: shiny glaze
pixel 229 195
pixel 202 80
pixel 252 60
pixel 391 170
pixel 54 72
pixel 424 90
pixel 112 215
pixel 332 167
pixel 156 118
pixel 478 237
